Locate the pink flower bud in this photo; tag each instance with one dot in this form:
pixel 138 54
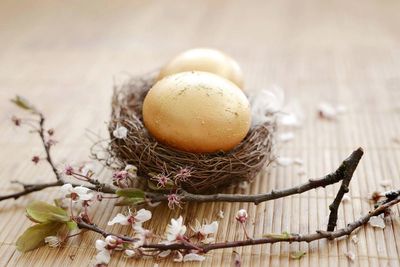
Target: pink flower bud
pixel 69 170
pixel 35 159
pixel 241 216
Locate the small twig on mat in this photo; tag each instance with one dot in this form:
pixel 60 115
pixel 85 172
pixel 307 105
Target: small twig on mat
pixel 345 171
pixel 270 239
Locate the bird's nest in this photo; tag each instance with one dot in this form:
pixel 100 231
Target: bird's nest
pixel 208 172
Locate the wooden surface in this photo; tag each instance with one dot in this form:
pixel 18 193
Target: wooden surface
pixel 63 57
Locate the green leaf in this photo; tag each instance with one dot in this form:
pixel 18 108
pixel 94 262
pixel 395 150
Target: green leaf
pixel 42 212
pixel 284 235
pixel 131 193
pixel 23 103
pixel 71 225
pixel 297 255
pixel 34 236
pixel 129 201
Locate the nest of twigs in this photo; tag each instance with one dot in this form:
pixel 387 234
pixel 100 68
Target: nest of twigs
pixel 208 172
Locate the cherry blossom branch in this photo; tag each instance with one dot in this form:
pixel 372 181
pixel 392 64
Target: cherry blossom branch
pixel 94 228
pixel 392 198
pixel 47 146
pixel 343 173
pixel 29 188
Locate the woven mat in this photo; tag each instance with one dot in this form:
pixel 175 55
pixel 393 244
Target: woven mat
pixel 63 56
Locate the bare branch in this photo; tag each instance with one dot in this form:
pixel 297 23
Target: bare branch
pixel 345 171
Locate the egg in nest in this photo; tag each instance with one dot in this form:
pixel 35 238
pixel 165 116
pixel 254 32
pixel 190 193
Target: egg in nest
pixel 197 112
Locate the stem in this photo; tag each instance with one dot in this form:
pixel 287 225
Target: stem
pixel 345 171
pixel 95 228
pixel 47 147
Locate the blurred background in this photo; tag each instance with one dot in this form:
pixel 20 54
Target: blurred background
pixel 64 56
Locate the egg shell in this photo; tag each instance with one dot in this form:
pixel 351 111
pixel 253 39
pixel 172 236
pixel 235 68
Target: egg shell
pixel 197 112
pixel 205 59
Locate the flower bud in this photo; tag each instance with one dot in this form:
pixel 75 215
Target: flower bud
pixel 241 216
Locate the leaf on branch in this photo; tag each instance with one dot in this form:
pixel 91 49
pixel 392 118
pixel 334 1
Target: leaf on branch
pixel 34 236
pixel 72 225
pixel 42 212
pixel 284 235
pixel 23 103
pixel 297 255
pixel 130 193
pixel 129 201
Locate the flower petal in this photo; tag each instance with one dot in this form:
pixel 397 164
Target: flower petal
pixel 120 132
pixel 193 257
pixel 100 244
pixel 66 188
pixel 210 228
pixel 121 219
pixel 164 254
pixel 143 215
pixel 103 257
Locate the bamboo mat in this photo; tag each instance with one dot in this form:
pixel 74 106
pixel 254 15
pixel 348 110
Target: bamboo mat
pixel 63 57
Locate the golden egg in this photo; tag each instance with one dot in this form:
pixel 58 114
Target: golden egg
pixel 205 59
pixel 197 112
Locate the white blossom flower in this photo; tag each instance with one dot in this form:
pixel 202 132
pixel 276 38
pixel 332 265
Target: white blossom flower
pixel 241 216
pixel 165 253
pixel 103 255
pixel 112 241
pixel 175 230
pixel 100 244
pixel 193 257
pixel 52 241
pixel 329 111
pixel 120 219
pixel 377 221
pixel 76 194
pixel 141 234
pixel 202 231
pixel 141 216
pixel 129 253
pixel 120 132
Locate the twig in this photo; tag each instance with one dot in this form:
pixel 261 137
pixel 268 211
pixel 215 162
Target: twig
pixel 95 228
pixel 267 240
pixel 31 188
pixel 345 171
pixel 47 147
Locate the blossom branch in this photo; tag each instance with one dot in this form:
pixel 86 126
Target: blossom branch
pixel 392 199
pixel 47 146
